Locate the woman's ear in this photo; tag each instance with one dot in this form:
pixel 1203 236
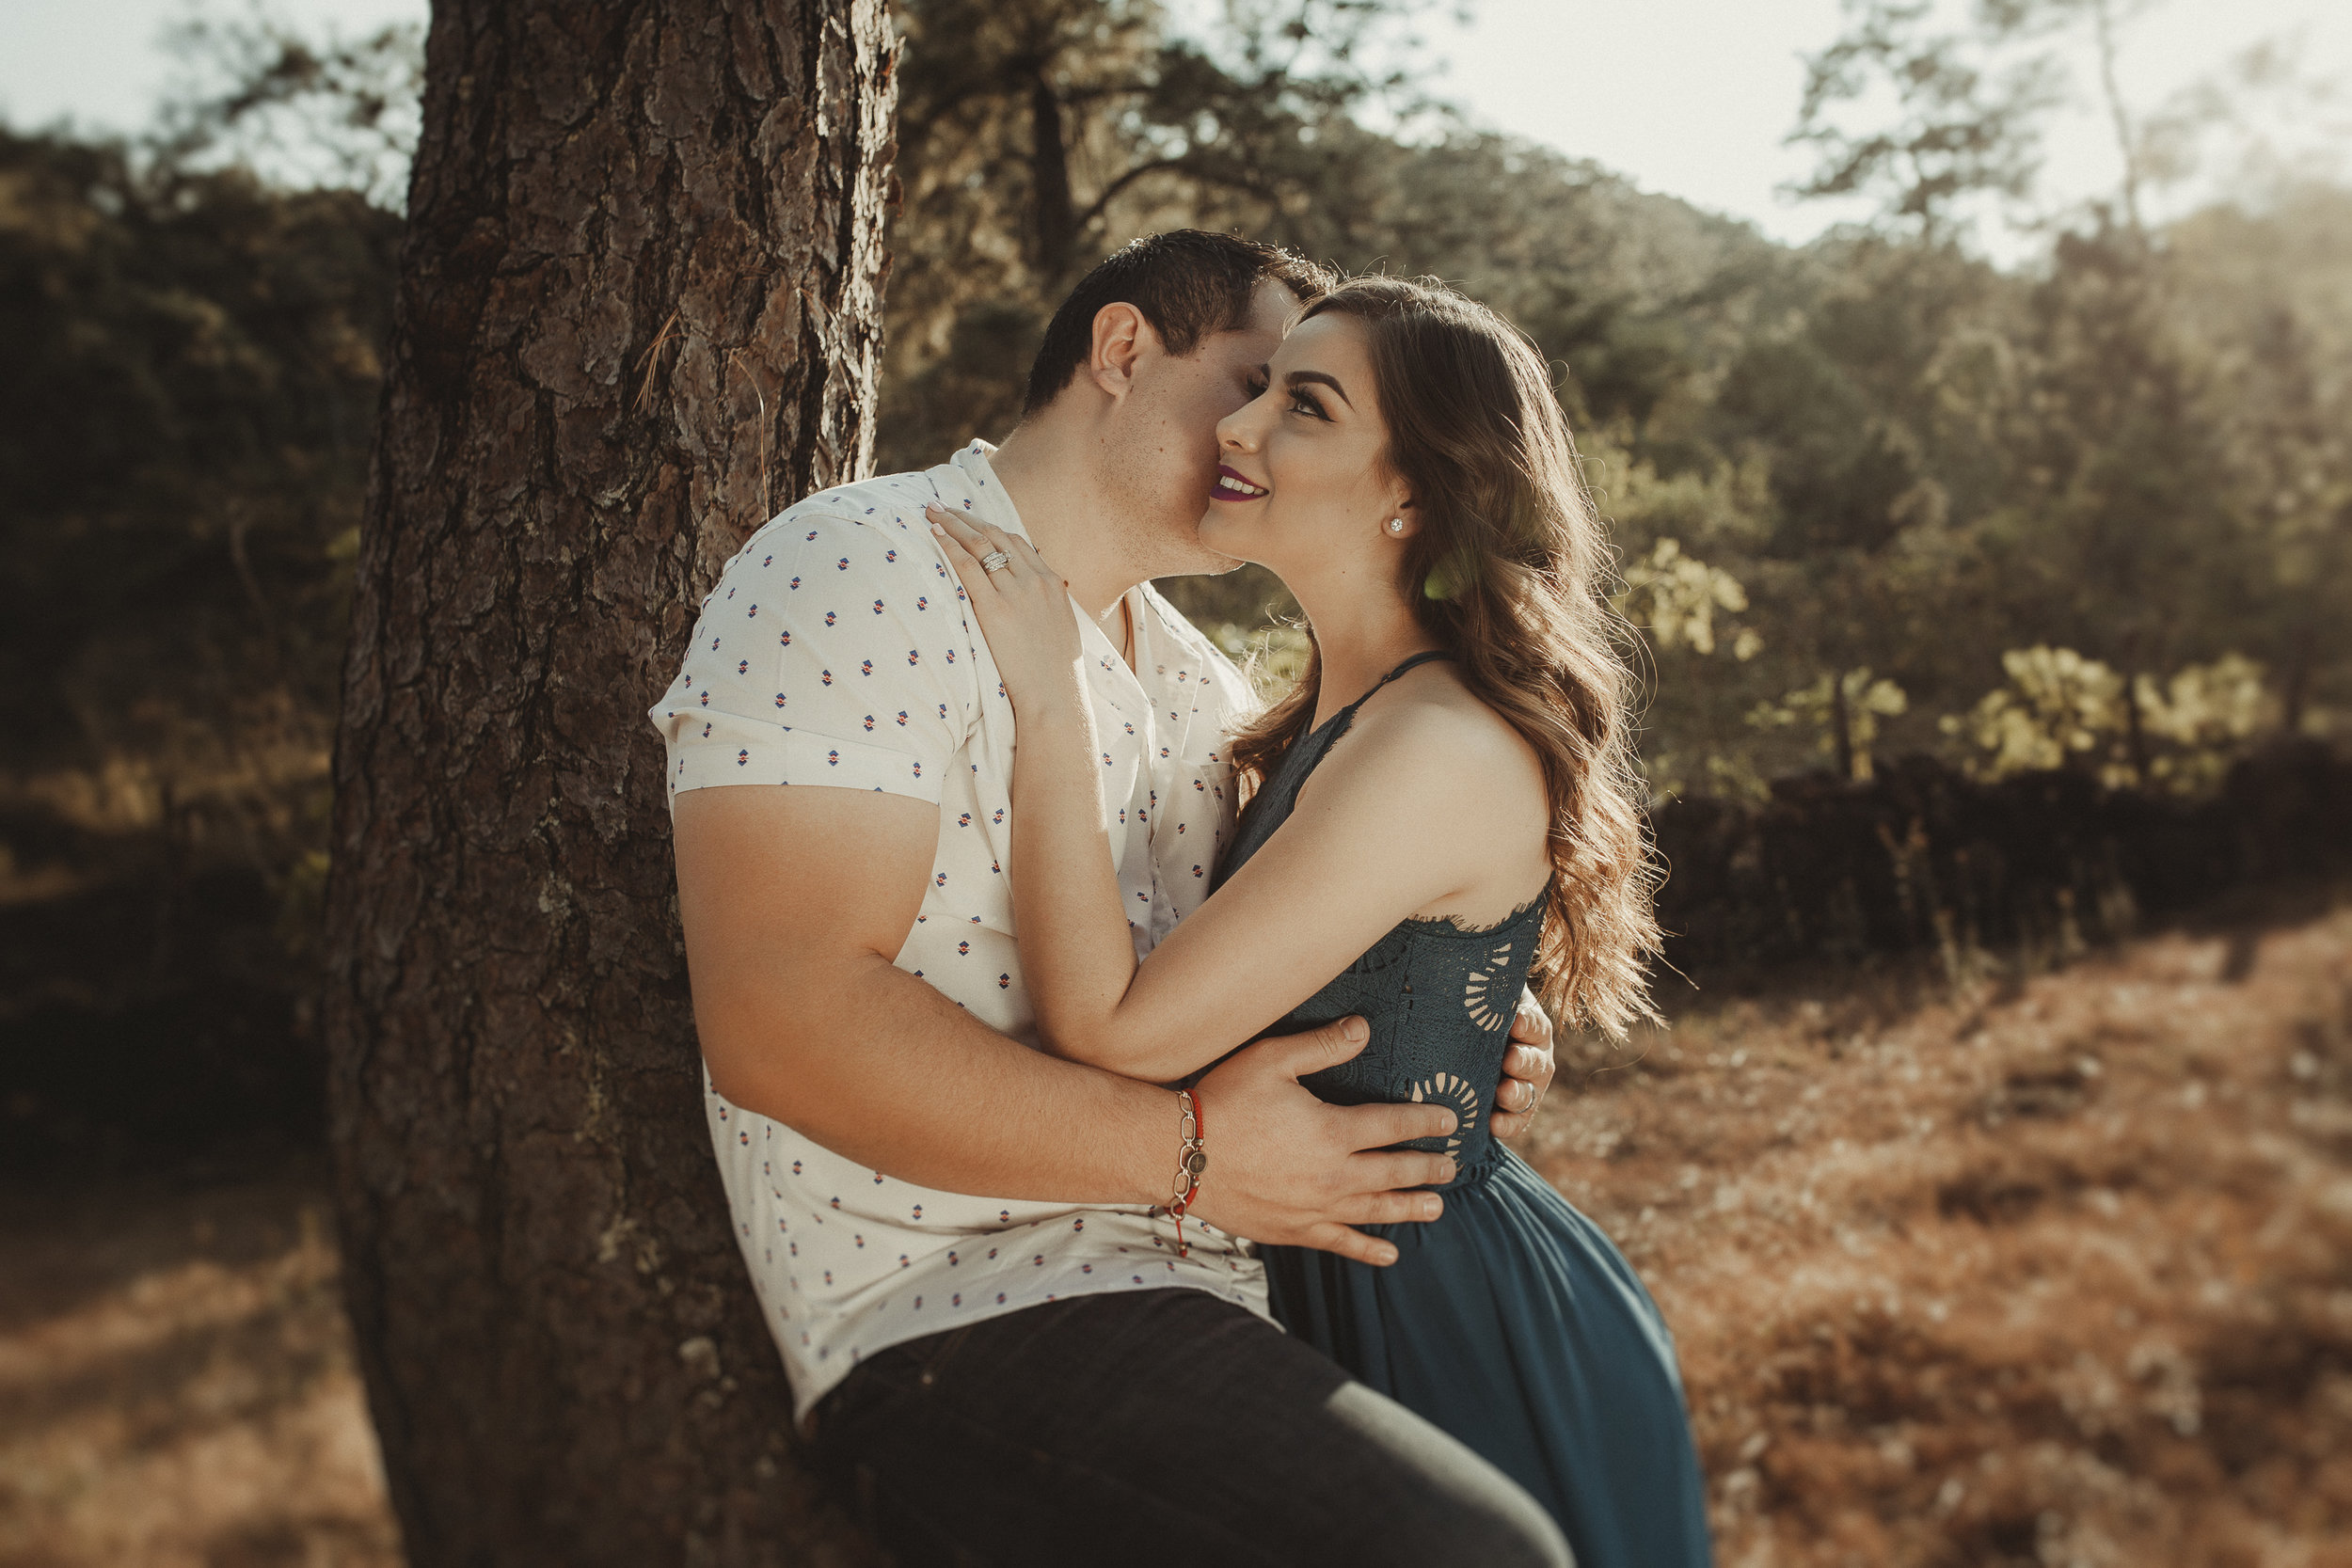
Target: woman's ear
pixel 1404 521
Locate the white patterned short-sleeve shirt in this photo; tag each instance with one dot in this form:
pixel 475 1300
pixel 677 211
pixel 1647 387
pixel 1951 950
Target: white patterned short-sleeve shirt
pixel 837 651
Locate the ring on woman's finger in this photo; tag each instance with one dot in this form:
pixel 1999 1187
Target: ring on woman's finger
pixel 995 560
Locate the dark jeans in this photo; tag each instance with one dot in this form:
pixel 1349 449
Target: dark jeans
pixel 1157 1427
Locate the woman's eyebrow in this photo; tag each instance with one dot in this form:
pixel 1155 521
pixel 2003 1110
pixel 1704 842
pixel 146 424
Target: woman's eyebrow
pixel 1320 379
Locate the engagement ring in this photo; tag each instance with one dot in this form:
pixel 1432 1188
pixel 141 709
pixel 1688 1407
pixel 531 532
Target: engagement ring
pixel 995 560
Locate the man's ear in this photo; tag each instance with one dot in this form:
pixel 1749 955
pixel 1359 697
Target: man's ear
pixel 1121 336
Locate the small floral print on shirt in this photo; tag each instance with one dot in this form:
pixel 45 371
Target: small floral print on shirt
pixel 866 688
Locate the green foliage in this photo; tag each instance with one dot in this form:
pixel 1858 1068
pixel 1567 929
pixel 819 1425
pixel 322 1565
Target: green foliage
pixel 1842 710
pixel 2057 706
pixel 2062 710
pixel 182 447
pixel 1964 124
pixel 1037 136
pixel 1674 597
pixel 2084 524
pixel 257 92
pixel 1845 485
pixel 1049 132
pixel 2266 307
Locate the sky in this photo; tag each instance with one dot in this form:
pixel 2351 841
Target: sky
pixel 1687 97
pixel 1692 97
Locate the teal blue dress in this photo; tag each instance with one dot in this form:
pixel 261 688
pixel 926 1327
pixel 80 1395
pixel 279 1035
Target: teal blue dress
pixel 1512 1321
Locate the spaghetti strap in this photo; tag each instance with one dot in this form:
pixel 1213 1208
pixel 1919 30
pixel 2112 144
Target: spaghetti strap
pixel 1413 663
pixel 1278 791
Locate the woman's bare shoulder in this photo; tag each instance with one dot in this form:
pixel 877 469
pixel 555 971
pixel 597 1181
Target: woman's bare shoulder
pixel 1438 733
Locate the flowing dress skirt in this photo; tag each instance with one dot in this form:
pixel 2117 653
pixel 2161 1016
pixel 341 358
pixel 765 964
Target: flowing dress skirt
pixel 1514 1323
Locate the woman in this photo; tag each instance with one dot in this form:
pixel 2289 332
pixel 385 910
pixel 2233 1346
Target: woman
pixel 1444 805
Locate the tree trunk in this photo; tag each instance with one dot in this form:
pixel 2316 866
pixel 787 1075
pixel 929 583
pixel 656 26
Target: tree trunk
pixel 1841 725
pixel 2135 729
pixel 638 308
pixel 2118 117
pixel 2298 681
pixel 1049 178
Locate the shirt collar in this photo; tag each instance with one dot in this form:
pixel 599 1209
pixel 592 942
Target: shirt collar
pixel 967 480
pixel 969 477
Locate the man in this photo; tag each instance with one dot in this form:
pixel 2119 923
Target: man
pixel 1039 1375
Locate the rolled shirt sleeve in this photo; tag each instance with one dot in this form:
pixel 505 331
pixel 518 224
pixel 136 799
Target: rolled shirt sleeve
pixel 832 651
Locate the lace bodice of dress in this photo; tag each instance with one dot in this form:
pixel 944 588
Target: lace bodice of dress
pixel 1440 998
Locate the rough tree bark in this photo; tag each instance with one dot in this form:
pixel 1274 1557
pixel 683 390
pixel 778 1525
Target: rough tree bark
pixel 639 307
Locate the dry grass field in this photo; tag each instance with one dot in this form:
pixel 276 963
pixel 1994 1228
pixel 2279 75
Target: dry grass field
pixel 2048 1273
pixel 2054 1273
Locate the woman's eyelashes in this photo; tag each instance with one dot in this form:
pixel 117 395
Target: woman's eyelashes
pixel 1301 401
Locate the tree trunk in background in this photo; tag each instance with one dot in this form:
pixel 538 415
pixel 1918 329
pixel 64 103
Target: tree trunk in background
pixel 638 310
pixel 1049 178
pixel 1842 724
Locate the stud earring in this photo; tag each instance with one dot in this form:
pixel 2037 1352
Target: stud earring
pixel 1397 524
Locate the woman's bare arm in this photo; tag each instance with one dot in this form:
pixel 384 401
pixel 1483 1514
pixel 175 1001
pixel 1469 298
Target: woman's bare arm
pixel 1077 953
pixel 1394 825
pixel 1411 821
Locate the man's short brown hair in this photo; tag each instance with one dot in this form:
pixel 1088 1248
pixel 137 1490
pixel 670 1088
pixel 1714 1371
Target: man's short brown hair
pixel 1187 283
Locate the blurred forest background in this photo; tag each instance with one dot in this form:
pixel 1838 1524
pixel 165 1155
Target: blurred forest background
pixel 2053 561
pixel 1988 614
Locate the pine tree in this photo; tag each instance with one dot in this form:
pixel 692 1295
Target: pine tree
pixel 638 311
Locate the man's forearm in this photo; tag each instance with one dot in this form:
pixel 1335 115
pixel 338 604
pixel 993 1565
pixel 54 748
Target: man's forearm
pixel 889 1072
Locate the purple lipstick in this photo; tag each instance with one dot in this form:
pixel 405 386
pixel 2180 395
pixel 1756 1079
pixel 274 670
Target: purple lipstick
pixel 1232 487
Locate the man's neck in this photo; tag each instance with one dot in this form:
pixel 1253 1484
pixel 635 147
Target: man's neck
pixel 1047 482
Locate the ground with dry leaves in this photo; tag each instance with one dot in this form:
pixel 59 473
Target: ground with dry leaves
pixel 176 1380
pixel 2047 1272
pixel 2056 1271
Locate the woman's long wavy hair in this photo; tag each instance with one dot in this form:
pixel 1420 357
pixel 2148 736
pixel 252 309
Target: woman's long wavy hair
pixel 1508 570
